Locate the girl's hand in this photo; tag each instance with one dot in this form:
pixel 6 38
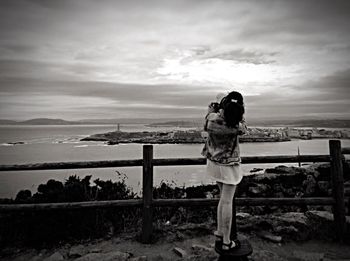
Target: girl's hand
pixel 242 127
pixel 204 134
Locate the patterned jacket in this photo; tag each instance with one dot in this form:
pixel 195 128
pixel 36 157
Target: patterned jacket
pixel 222 144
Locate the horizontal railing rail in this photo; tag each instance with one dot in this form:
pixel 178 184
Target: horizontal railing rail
pixel 159 162
pixel 72 165
pixel 147 202
pixel 317 201
pixel 71 205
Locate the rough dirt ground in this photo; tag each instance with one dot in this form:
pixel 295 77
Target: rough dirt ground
pixel 164 250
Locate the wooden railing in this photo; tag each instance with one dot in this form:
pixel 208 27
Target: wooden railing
pixel 148 203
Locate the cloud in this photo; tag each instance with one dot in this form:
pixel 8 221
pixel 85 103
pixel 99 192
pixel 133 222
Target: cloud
pixel 85 99
pixel 326 97
pixel 333 87
pixel 336 85
pixel 172 57
pixel 17 48
pixel 109 100
pixel 243 56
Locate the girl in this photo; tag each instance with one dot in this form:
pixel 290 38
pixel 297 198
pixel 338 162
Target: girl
pixel 224 122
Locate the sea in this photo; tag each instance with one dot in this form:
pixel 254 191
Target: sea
pixel 21 144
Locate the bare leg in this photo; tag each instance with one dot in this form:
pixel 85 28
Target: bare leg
pixel 219 231
pixel 225 207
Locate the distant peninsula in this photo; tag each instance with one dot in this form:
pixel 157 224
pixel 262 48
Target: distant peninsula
pixel 39 121
pixel 177 137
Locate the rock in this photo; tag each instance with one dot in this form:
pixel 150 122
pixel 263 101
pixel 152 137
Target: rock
pixel 55 257
pixel 270 237
pixel 110 256
pixel 324 215
pixel 308 256
pixel 288 176
pixel 258 190
pixel 264 255
pixel 293 225
pixel 277 188
pixel 278 170
pixel 321 170
pixel 208 257
pixel 180 252
pixel 296 219
pixel 95 250
pixel 200 248
pixel 35 258
pixel 158 258
pixel 139 258
pixel 287 230
pixel 255 170
pixel 77 251
pixel 242 215
pixel 321 223
pixel 291 221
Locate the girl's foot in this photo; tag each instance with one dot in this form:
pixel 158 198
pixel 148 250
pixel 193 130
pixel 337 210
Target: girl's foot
pixel 233 244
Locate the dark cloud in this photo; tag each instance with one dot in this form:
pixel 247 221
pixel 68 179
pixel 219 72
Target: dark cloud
pixel 301 22
pixel 337 84
pixel 18 48
pixel 328 88
pixel 51 4
pixel 158 96
pixel 23 69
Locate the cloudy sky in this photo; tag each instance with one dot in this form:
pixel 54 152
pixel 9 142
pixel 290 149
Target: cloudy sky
pixel 154 59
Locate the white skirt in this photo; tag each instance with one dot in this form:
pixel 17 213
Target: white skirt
pixel 227 174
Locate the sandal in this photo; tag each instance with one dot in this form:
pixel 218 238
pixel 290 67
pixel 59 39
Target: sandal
pixel 234 244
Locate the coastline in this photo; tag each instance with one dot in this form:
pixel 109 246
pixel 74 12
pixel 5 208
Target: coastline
pixel 193 136
pixel 171 137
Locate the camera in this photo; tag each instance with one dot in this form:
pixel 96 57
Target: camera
pixel 215 106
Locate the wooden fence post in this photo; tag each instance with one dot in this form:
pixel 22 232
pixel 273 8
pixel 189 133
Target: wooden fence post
pixel 147 191
pixel 337 188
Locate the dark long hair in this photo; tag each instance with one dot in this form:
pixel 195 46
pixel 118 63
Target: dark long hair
pixel 233 107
